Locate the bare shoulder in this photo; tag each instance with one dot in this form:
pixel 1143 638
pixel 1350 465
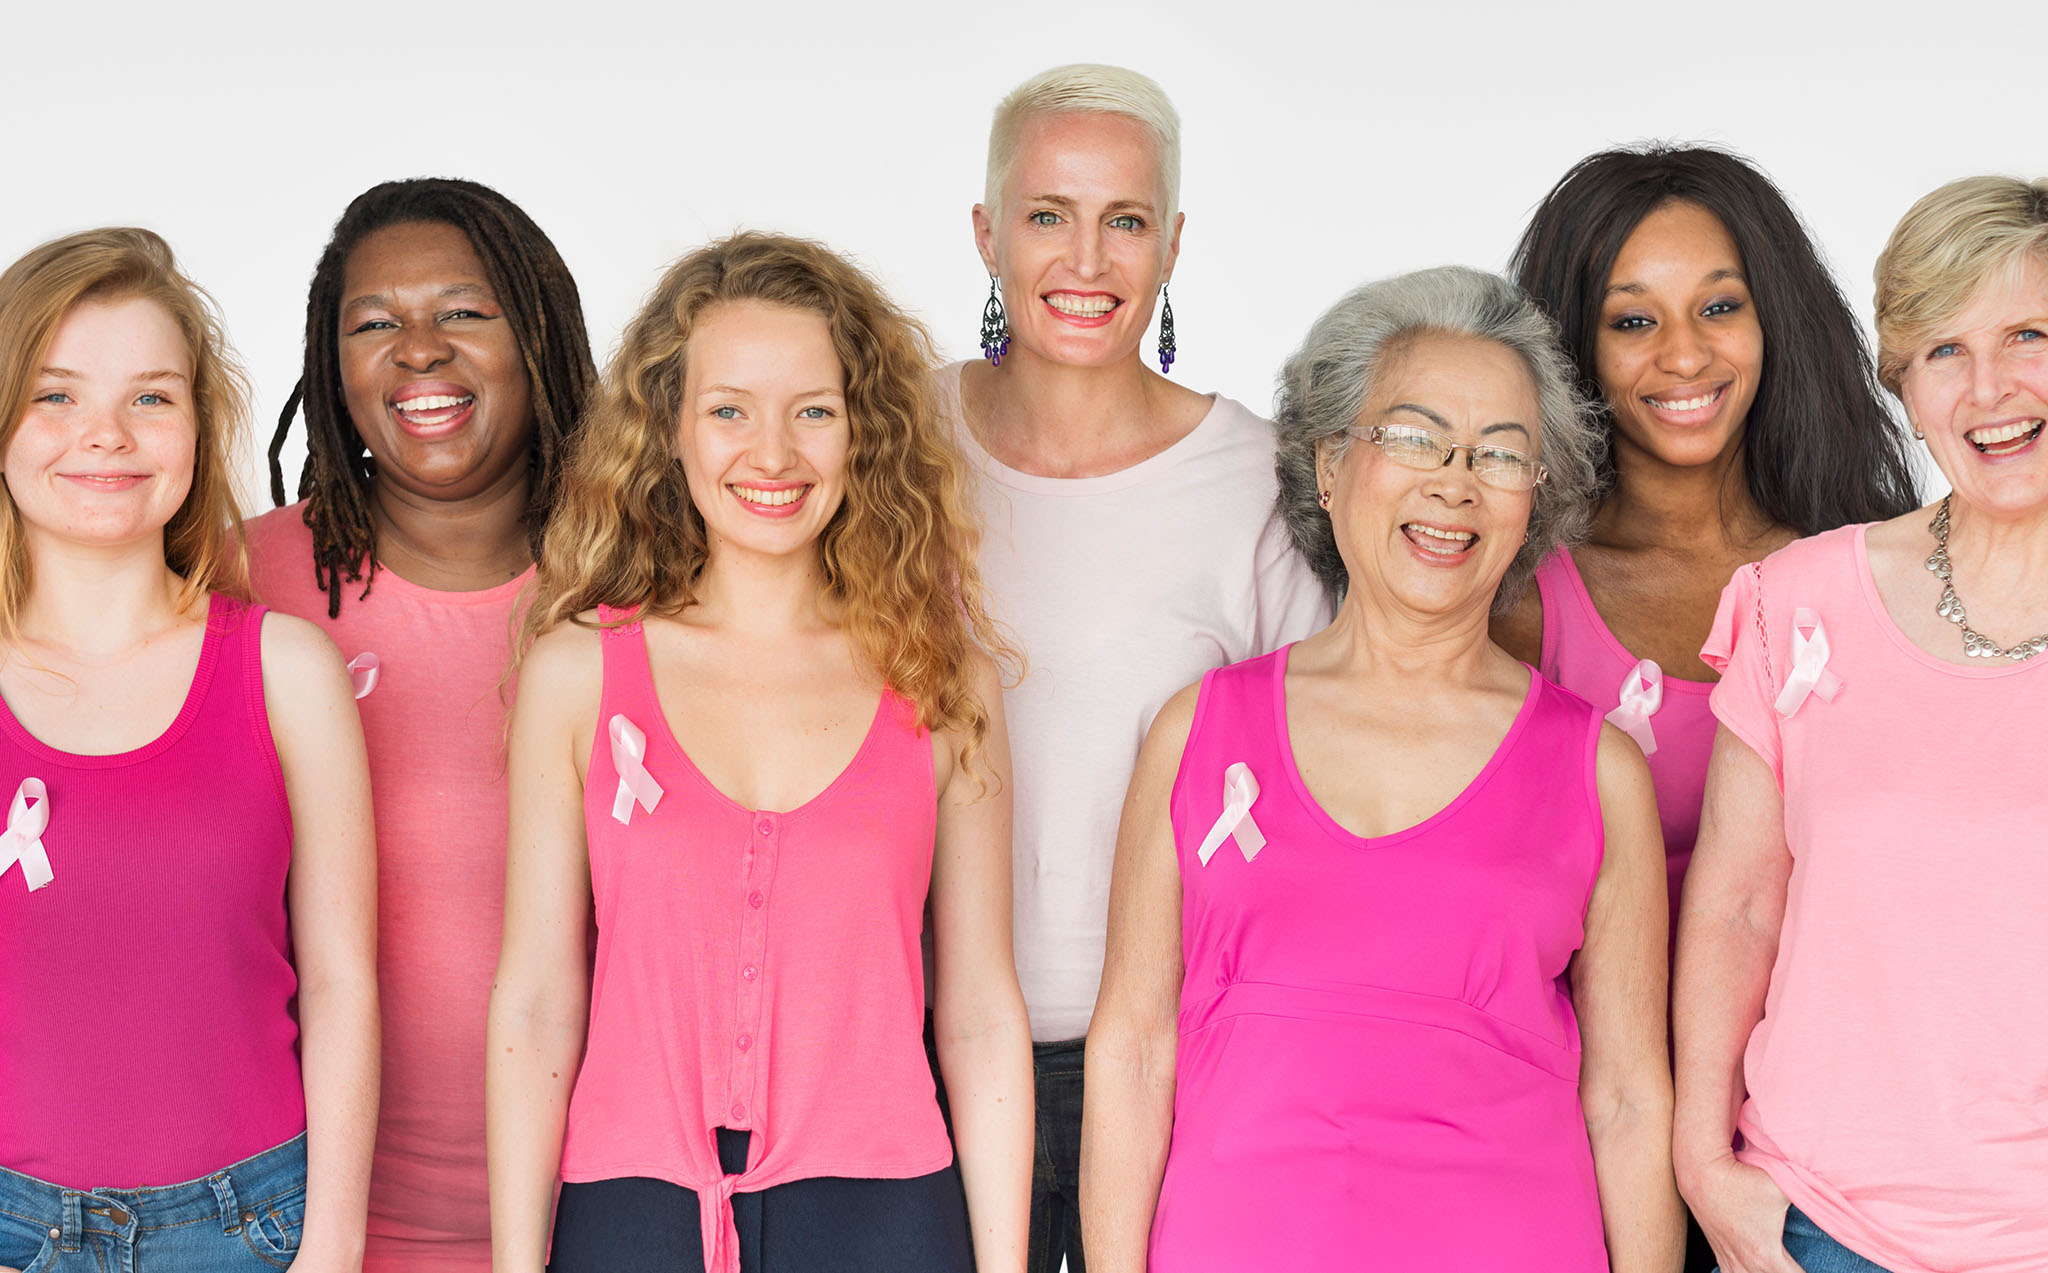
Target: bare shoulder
pixel 1520 630
pixel 1622 768
pixel 1176 719
pixel 295 650
pixel 565 655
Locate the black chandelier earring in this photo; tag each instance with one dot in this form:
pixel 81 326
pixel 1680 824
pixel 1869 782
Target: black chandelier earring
pixel 995 325
pixel 1166 342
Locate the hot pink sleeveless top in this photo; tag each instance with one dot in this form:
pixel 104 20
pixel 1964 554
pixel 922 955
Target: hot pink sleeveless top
pixel 1582 655
pixel 755 969
pixel 148 1025
pixel 1378 1062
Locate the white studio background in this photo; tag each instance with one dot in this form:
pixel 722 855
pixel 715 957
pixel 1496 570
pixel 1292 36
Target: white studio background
pixel 1325 144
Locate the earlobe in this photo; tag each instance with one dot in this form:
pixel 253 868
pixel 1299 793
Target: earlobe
pixel 984 238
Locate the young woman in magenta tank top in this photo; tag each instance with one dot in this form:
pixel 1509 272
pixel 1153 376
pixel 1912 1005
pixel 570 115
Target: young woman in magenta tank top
pixel 446 370
pixel 1386 964
pixel 756 733
pixel 188 1009
pixel 1741 413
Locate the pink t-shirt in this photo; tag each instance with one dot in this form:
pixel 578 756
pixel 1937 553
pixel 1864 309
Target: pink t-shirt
pixel 1898 1082
pixel 148 1006
pixel 1581 653
pixel 434 725
pixel 756 969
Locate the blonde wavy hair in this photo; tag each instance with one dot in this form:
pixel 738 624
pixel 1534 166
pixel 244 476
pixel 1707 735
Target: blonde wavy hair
pixel 898 555
pixel 203 541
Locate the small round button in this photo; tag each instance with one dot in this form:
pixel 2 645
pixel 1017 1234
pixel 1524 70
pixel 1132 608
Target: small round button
pixel 248 1217
pixel 744 1042
pixel 56 1234
pixel 739 1112
pixel 749 972
pixel 755 900
pixel 764 826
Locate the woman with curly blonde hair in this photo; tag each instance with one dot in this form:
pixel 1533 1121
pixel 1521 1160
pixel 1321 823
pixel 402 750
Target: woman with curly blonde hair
pixel 757 723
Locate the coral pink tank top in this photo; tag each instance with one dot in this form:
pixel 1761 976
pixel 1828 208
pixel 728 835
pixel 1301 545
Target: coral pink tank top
pixel 755 969
pixel 1582 655
pixel 148 1016
pixel 1379 1062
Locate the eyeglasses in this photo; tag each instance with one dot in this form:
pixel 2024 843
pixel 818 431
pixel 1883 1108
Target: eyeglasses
pixel 1412 446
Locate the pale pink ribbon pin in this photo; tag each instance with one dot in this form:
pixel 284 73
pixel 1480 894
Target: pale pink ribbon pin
pixel 1641 695
pixel 23 840
pixel 1810 673
pixel 362 673
pixel 629 757
pixel 1240 790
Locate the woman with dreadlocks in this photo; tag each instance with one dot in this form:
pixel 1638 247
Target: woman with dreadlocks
pixel 446 367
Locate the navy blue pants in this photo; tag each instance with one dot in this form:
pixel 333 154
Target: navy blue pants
pixel 829 1224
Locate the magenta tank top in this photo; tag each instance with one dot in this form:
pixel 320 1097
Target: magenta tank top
pixel 756 969
pixel 1378 1062
pixel 1582 655
pixel 148 1015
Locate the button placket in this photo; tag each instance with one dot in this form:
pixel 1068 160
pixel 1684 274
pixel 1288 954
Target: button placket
pixel 765 836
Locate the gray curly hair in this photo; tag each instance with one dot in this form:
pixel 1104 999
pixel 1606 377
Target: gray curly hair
pixel 1325 384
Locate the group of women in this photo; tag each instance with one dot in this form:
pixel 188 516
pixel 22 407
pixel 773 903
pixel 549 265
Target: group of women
pixel 782 805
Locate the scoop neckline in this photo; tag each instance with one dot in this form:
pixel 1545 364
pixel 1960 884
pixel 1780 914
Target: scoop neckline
pixel 188 711
pixel 1867 582
pixel 1684 685
pixel 385 576
pixel 1099 483
pixel 1516 728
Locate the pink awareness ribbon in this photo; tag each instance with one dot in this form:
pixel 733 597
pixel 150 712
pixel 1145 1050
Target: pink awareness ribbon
pixel 1810 673
pixel 1641 695
pixel 629 757
pixel 23 840
pixel 362 673
pixel 1240 790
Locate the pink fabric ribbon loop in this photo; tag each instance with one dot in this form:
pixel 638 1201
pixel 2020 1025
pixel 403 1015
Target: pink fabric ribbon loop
pixel 1240 791
pixel 362 673
pixel 1810 673
pixel 23 840
pixel 721 1236
pixel 629 757
pixel 1641 695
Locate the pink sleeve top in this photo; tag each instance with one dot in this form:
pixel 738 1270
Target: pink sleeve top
pixel 1582 654
pixel 148 1015
pixel 756 969
pixel 434 725
pixel 1898 1081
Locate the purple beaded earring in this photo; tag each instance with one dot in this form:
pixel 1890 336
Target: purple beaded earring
pixel 1166 342
pixel 995 326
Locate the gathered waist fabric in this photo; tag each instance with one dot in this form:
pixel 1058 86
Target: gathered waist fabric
pixel 756 970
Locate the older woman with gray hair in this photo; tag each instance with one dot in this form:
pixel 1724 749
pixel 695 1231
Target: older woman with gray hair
pixel 1386 968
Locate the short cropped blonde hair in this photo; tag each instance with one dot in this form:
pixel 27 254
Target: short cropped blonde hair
pixel 1944 250
pixel 1085 88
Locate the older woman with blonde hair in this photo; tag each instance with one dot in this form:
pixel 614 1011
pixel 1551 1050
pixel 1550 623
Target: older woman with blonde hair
pixel 1858 1010
pixel 1385 985
pixel 758 728
pixel 188 998
pixel 1130 543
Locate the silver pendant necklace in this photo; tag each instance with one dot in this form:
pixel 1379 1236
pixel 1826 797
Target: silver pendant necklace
pixel 1975 644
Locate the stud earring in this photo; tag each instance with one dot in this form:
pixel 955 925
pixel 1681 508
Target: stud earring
pixel 1323 499
pixel 1917 435
pixel 995 325
pixel 1166 341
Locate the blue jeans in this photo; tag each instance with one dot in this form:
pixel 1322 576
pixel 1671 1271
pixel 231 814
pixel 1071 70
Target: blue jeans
pixel 1816 1252
pixel 244 1218
pixel 1056 1165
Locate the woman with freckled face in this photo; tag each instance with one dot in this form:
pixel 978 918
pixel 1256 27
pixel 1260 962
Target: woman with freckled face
pixel 758 733
pixel 1385 981
pixel 188 997
pixel 1130 541
pixel 1860 1013
pixel 446 370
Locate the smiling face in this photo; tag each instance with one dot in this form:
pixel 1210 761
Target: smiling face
pixel 1436 541
pixel 1081 241
pixel 764 431
pixel 1680 351
pixel 103 453
pixel 430 368
pixel 1979 390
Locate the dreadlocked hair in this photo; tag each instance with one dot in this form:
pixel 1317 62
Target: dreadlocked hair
pixel 897 556
pixel 546 316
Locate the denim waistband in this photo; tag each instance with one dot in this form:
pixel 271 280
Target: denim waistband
pixel 233 1196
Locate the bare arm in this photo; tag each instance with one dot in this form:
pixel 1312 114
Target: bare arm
pixel 978 1020
pixel 1618 986
pixel 332 898
pixel 1730 914
pixel 1127 1102
pixel 540 1000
